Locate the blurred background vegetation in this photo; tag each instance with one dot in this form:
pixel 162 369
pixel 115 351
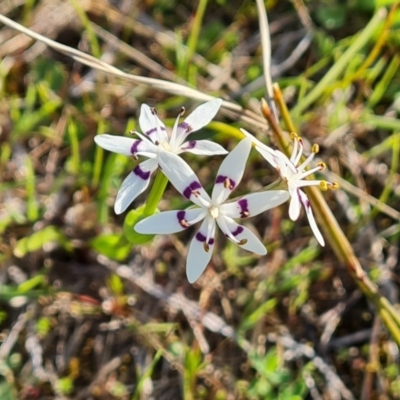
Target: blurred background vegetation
pixel 87 315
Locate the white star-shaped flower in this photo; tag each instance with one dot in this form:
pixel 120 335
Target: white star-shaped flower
pixel 212 210
pixel 294 175
pixel 154 137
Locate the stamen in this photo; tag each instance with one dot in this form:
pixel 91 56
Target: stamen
pixel 206 247
pixel 334 186
pixel 293 135
pixel 324 185
pixel 182 111
pixel 226 181
pixel 184 223
pixel 228 184
pixel 153 111
pixel 322 166
pixel 296 156
pixel 192 188
pixel 315 148
pixel 242 242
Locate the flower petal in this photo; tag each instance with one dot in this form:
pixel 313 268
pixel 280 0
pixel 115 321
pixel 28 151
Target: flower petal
pixel 241 235
pixel 295 204
pixel 134 184
pixel 200 117
pixel 255 203
pixel 231 171
pixel 311 220
pixel 203 147
pixel 151 125
pixel 168 221
pixel 183 178
pixel 267 152
pixel 118 144
pixel 199 252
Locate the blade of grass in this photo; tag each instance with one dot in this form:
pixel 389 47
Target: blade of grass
pixel 32 209
pixel 194 34
pixel 146 375
pixel 74 141
pixel 341 64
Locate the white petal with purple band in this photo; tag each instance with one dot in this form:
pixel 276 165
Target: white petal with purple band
pixel 134 184
pixel 293 174
pixel 213 211
pixel 154 140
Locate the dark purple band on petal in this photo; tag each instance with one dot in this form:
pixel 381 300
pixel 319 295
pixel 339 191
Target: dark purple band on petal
pixel 135 147
pixel 238 231
pixel 228 182
pixel 191 144
pixel 181 215
pixel 140 173
pixel 181 219
pixel 152 130
pixel 185 126
pixel 201 238
pixel 191 188
pixel 244 208
pixel 303 199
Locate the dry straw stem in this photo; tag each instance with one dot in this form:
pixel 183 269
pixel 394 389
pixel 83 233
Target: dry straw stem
pixel 334 233
pixel 266 54
pixel 159 84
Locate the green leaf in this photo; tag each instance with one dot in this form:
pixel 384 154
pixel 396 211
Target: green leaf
pixel 7 391
pixel 111 245
pixel 260 312
pixel 131 220
pixel 38 239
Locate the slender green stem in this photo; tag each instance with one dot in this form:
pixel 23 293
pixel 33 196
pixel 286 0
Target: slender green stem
pixel 155 195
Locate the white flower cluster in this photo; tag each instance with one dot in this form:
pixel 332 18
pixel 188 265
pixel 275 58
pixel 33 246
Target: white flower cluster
pixel 162 150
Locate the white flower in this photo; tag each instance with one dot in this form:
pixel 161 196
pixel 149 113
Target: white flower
pixel 154 137
pixel 294 174
pixel 212 211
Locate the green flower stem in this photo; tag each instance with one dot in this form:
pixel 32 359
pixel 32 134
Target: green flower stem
pixel 338 240
pixel 157 191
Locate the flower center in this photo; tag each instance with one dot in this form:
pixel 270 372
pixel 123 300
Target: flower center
pixel 165 145
pixel 214 212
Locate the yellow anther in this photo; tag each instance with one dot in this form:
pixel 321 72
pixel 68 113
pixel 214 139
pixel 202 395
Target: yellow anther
pixel 322 166
pixel 293 135
pixel 242 242
pixel 315 148
pixel 206 247
pixel 324 185
pixel 334 186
